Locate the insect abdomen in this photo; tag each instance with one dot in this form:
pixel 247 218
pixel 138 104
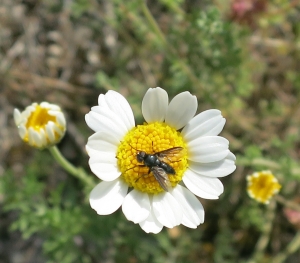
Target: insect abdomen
pixel 168 169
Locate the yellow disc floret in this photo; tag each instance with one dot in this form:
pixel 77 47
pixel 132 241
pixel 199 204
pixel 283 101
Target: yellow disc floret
pixel 150 138
pixel 39 118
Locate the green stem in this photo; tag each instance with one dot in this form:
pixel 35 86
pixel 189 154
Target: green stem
pixel 269 164
pixel 287 203
pixel 152 22
pixel 169 49
pixel 259 161
pixel 265 236
pixel 293 246
pixel 70 168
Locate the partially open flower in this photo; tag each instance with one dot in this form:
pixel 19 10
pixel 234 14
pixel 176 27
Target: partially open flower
pixel 262 186
pixel 41 125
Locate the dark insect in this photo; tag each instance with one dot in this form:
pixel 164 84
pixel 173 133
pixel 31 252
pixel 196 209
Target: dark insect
pixel 157 164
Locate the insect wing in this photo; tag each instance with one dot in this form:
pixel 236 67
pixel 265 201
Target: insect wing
pixel 161 177
pixel 170 155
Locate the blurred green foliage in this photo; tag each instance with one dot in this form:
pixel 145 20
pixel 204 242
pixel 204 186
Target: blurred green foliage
pixel 250 72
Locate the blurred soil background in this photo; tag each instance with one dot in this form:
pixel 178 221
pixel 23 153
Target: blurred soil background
pixel 240 56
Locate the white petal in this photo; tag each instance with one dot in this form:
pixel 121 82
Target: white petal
pixel 166 209
pixel 22 131
pixel 112 116
pixel 136 206
pixel 102 147
pixel 43 138
pixel 193 212
pixel 155 105
pixel 50 132
pixel 102 151
pixel 53 113
pixel 109 114
pixel 26 113
pixel 54 107
pixel 181 110
pixel 56 128
pixel 104 165
pixel 103 141
pixel 31 136
pixel 107 197
pixel 120 106
pixel 38 139
pixel 208 149
pixel 17 116
pixel 96 153
pixel 151 224
pixel 231 157
pixel 215 169
pixel 44 104
pixel 102 101
pixel 31 108
pixel 34 137
pixel 207 123
pixel 100 123
pixel 205 187
pixel 61 119
pixel 49 106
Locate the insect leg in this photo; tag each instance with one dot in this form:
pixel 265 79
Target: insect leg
pixel 140 165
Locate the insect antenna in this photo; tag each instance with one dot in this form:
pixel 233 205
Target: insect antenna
pixel 133 147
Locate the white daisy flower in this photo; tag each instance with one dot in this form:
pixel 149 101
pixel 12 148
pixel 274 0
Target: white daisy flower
pixel 41 125
pixel 152 170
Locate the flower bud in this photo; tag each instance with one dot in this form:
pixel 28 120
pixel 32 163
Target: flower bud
pixel 41 125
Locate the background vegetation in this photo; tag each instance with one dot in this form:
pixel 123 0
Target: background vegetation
pixel 240 56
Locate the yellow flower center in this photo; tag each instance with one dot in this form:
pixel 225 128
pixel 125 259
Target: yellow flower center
pixel 151 139
pixel 39 118
pixel 262 186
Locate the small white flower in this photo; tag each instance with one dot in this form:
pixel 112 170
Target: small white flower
pixel 41 125
pixel 128 181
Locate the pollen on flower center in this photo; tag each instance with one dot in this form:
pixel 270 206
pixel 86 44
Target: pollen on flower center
pixel 150 138
pixel 39 118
